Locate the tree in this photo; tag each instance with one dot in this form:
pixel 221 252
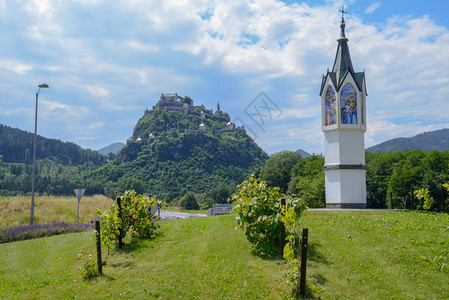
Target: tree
pixel 220 195
pixel 308 181
pixel 277 169
pixel 130 183
pixel 111 156
pixel 312 191
pixel 189 201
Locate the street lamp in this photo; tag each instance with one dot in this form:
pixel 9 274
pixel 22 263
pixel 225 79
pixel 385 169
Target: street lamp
pixel 40 86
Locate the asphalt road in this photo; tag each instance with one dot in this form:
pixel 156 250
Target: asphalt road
pixel 172 215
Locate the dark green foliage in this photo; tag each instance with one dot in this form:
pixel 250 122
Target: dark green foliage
pixel 277 169
pixel 130 183
pixel 308 181
pixel 394 172
pixel 189 202
pixel 220 194
pixel 60 166
pixel 397 172
pixel 51 178
pixel 16 146
pixel 175 161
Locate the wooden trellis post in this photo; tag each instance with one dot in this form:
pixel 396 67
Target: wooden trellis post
pixel 99 260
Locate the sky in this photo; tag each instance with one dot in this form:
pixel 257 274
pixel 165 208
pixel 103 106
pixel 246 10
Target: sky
pixel 263 60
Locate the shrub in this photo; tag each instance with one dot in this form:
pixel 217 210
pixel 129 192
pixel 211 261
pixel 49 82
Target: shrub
pixel 259 214
pixel 189 201
pixel 424 194
pixel 89 268
pixel 136 218
pixel 311 190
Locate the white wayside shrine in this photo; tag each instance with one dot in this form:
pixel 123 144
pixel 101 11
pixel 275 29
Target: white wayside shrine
pixel 343 121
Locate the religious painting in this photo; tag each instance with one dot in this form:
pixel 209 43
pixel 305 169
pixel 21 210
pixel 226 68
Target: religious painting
pixel 348 100
pixel 330 111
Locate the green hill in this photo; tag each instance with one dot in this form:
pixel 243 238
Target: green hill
pixel 431 140
pixel 175 152
pixel 59 165
pixel 16 146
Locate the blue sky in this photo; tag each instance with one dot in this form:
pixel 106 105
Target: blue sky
pixel 107 61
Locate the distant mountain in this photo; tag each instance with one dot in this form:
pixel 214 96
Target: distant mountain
pixel 431 140
pixel 114 148
pixel 16 146
pixel 303 153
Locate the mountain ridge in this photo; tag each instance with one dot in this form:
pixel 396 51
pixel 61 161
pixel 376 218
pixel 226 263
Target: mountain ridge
pixel 114 148
pixel 429 140
pixel 16 146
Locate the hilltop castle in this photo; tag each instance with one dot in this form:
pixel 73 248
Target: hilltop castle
pixel 174 102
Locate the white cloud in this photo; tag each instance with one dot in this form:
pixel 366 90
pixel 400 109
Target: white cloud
pixel 112 66
pixel 373 7
pixel 15 66
pixel 96 125
pixel 14 112
pixel 300 113
pixel 136 45
pixel 98 91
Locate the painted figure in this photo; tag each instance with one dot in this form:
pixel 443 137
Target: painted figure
pixel 349 109
pixel 330 112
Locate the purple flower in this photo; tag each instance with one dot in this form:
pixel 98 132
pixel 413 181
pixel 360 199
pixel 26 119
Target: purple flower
pixel 26 232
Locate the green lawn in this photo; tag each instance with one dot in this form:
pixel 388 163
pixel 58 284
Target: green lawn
pixel 378 254
pixel 192 258
pixel 352 254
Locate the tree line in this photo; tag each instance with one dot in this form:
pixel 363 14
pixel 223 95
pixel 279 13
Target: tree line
pixel 16 146
pixel 390 173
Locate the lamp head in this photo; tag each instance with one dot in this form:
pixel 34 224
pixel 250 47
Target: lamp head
pixel 43 85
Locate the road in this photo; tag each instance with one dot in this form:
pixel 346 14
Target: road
pixel 172 215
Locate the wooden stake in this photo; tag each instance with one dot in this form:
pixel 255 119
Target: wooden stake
pixel 302 283
pixel 99 260
pixel 119 203
pixel 282 229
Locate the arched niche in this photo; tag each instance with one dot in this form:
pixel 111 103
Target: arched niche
pixel 348 103
pixel 330 107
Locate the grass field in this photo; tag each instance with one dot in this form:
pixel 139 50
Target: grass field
pixel 352 254
pixel 15 210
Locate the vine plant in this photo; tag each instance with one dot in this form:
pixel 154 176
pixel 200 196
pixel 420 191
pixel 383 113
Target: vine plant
pixel 136 218
pixel 260 215
pixel 423 193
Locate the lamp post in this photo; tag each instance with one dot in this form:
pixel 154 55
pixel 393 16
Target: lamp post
pixel 43 85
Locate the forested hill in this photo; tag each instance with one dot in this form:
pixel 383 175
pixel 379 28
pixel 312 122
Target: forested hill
pixel 174 152
pixel 16 146
pixel 432 140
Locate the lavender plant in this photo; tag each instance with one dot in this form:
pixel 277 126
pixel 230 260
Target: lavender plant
pixel 26 232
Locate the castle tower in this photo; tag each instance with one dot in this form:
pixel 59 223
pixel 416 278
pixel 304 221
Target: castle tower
pixel 343 121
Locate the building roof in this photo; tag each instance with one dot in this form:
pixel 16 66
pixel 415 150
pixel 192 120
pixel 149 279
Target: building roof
pixel 343 64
